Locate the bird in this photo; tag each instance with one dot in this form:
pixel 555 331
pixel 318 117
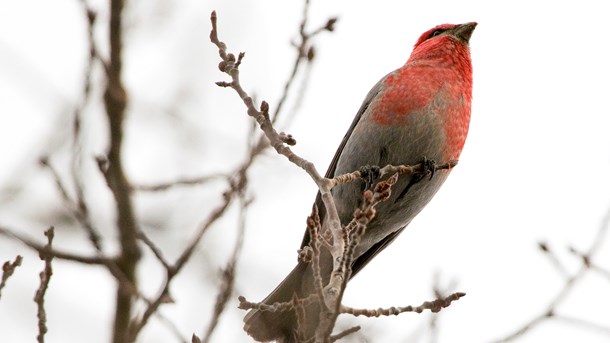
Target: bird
pixel 419 112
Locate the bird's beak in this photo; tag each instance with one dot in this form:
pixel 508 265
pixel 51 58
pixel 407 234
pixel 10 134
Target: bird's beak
pixel 464 31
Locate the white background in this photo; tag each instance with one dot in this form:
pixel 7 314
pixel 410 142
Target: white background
pixel 535 166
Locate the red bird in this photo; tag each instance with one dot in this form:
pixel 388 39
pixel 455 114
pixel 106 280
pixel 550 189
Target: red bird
pixel 418 112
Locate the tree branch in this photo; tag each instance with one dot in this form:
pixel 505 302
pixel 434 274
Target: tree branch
pixel 8 268
pixel 115 101
pixel 45 278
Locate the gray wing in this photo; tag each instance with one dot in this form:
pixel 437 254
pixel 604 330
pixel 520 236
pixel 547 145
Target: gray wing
pixel 333 164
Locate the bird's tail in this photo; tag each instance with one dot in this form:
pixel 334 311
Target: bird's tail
pixel 265 326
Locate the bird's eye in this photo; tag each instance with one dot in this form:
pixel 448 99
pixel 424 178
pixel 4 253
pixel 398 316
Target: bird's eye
pixel 436 33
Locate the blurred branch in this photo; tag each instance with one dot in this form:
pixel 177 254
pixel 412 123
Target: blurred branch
pixel 115 102
pixel 45 278
pixel 8 268
pixel 586 259
pixel 172 270
pixel 154 248
pixel 552 256
pixel 305 52
pixel 439 292
pixel 180 182
pixel 344 333
pixel 82 213
pixel 56 253
pixel 228 273
pixel 77 208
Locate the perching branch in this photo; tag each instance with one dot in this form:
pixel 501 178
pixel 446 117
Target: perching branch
pixel 434 306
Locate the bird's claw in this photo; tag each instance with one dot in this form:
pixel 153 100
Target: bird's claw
pixel 428 167
pixel 369 174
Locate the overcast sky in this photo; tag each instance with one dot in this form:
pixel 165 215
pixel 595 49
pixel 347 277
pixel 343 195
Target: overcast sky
pixel 535 165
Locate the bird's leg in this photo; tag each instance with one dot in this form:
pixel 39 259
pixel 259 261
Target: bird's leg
pixel 369 174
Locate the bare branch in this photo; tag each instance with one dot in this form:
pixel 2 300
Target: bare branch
pixel 155 250
pixel 45 278
pixel 78 208
pixel 8 268
pixel 56 253
pixel 344 333
pixel 115 102
pixel 77 154
pixel 136 326
pixel 275 307
pixel 304 53
pixel 180 182
pixel 228 274
pixel 552 256
pixel 434 306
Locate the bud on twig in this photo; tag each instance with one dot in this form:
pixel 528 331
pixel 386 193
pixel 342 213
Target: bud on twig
pixel 311 53
pixel 330 24
pixel 264 107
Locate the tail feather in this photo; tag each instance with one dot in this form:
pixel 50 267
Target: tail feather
pixel 265 326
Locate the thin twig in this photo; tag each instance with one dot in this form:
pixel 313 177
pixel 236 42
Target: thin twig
pixel 228 273
pixel 45 278
pixel 434 306
pixel 8 268
pixel 552 256
pixel 77 148
pixel 173 270
pixel 154 248
pixel 586 324
pixel 344 333
pixel 56 253
pixel 77 208
pixel 200 180
pixel 304 53
pixel 244 304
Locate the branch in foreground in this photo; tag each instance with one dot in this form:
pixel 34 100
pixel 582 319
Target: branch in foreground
pixel 434 306
pixel 8 268
pixel 45 278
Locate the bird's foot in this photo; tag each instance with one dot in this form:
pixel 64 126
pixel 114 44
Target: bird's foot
pixel 369 174
pixel 428 168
